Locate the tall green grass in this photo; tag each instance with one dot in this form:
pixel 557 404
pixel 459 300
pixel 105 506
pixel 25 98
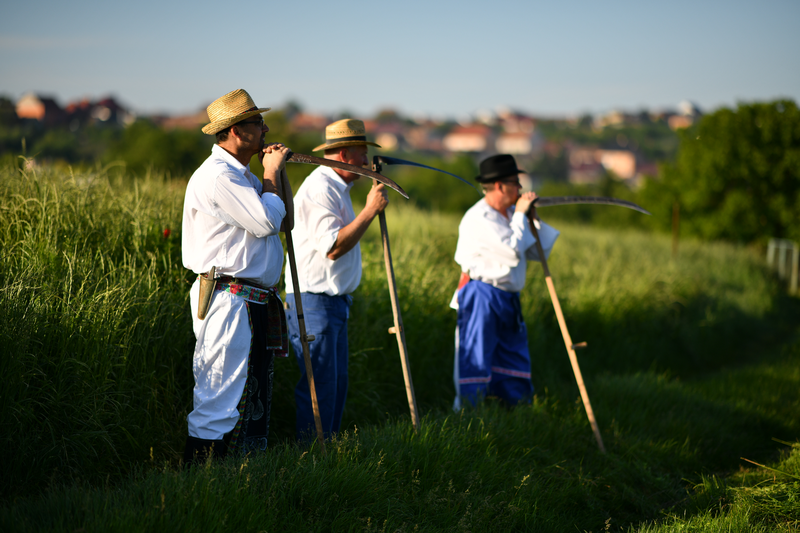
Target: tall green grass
pixel 692 364
pixel 92 325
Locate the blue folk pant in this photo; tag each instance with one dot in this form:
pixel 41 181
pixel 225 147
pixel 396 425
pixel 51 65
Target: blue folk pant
pixel 492 357
pixel 326 319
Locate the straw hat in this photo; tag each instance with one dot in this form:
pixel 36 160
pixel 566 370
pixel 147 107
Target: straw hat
pixel 345 132
pixel 498 167
pixel 230 109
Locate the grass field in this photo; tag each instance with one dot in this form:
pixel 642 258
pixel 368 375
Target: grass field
pixel 692 365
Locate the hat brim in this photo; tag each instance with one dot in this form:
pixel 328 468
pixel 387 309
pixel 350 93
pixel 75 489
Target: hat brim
pixel 341 144
pixel 213 127
pixel 490 179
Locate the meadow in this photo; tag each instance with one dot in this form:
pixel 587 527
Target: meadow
pixel 692 366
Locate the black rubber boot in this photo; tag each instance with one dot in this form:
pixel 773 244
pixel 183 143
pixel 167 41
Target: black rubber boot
pixel 198 450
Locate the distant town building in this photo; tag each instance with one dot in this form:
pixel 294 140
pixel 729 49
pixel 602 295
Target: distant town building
pixel 587 165
pixel 678 122
pixel 104 111
pixel 512 122
pixel 424 138
pixel 519 143
pixel 79 113
pixel 75 114
pixel 584 166
pixel 621 162
pixel 616 118
pixel 387 141
pixel 472 138
pixel 688 114
pixel 110 111
pixel 612 118
pixel 41 108
pixel 689 109
pixel 193 121
pixel 307 122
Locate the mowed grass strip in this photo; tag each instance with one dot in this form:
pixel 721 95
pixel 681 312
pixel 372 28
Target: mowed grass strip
pixel 687 367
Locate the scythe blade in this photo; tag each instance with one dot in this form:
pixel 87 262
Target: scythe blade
pixel 312 160
pixel 598 200
pixel 378 159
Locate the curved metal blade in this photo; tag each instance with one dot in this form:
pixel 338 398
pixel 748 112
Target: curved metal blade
pixel 312 160
pixel 395 161
pixel 600 200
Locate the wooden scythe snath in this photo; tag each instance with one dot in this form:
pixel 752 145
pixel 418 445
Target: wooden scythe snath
pixel 304 339
pixel 397 329
pixel 573 358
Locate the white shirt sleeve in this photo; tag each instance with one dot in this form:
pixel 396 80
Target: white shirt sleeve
pixel 547 236
pixel 239 204
pixel 521 237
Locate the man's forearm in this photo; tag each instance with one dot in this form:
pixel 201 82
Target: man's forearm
pixel 271 182
pixel 349 235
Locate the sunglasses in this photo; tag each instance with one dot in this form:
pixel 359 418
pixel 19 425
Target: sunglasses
pixel 259 123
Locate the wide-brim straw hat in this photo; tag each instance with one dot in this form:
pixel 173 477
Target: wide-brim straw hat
pixel 345 132
pixel 229 109
pixel 498 167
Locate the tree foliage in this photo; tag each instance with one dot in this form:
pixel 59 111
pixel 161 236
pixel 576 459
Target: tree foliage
pixel 652 139
pixel 429 189
pixel 144 146
pixel 596 215
pixel 737 174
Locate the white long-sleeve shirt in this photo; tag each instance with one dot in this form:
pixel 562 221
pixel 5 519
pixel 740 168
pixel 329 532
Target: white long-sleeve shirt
pixel 495 249
pixel 322 207
pixel 230 224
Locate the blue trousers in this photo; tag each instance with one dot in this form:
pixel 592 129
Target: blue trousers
pixel 326 319
pixel 492 357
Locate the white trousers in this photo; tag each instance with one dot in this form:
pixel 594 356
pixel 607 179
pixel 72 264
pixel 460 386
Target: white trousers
pixel 220 363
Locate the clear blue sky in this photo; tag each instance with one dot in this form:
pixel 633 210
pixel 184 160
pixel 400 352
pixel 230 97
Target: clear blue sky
pixel 437 58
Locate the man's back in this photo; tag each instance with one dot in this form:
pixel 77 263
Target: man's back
pixel 322 208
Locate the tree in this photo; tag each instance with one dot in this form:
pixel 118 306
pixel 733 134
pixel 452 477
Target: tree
pixel 552 167
pixel 8 112
pixel 143 146
pixel 737 174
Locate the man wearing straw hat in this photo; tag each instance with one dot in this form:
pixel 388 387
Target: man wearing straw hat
pixel 326 240
pixel 494 244
pixel 231 224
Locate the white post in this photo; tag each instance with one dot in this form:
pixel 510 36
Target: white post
pixel 782 256
pixel 771 253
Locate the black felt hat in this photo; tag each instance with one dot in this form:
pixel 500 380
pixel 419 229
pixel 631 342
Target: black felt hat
pixel 498 167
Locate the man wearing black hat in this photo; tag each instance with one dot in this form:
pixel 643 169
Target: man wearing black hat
pixel 494 244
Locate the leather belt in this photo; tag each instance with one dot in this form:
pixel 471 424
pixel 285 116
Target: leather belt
pixel 241 281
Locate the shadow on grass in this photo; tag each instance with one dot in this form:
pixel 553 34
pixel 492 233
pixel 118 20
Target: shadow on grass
pixel 680 344
pixel 667 413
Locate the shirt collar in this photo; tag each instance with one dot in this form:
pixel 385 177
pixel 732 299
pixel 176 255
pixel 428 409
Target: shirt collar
pixel 491 211
pixel 222 153
pixel 331 174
